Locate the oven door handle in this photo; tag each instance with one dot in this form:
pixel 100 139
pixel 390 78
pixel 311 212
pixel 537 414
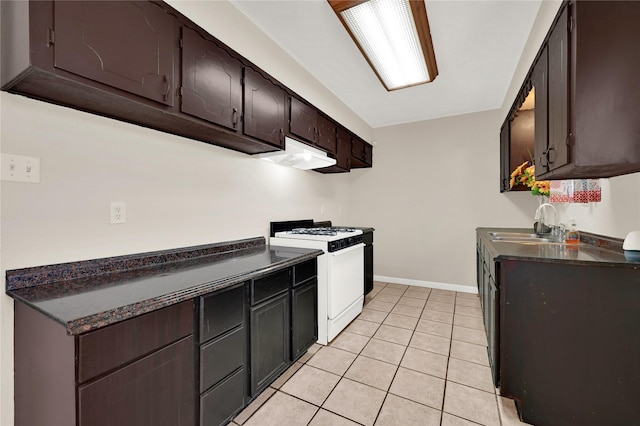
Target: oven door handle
pixel 347 250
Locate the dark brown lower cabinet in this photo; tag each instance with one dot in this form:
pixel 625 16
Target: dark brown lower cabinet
pixel 156 390
pixel 139 372
pixel 269 341
pixel 304 317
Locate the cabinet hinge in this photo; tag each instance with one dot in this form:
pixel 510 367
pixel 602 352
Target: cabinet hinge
pixel 571 140
pixel 180 91
pixel 181 43
pixel 51 37
pixel 570 24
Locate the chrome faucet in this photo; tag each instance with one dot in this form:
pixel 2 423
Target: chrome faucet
pixel 542 225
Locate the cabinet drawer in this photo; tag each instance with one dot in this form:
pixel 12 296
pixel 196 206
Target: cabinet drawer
pixel 220 312
pixel 266 287
pixel 155 390
pixel 107 348
pixel 304 271
pixel 220 357
pixel 221 402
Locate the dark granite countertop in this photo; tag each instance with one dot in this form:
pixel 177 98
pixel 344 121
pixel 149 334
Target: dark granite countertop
pixel 592 248
pixel 86 295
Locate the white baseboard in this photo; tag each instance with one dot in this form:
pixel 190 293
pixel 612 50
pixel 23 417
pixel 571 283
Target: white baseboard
pixel 430 284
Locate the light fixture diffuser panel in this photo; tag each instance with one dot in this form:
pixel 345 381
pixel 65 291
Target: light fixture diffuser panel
pixel 386 33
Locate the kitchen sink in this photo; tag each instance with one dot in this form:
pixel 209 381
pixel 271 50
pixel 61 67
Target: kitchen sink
pixel 522 237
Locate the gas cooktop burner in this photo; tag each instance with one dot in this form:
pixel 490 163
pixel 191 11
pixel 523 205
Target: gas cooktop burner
pixel 321 231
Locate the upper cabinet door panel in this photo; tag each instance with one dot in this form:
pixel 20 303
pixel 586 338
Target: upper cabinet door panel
pixel 304 119
pixel 211 81
pixel 541 134
pixel 264 109
pixel 558 92
pixel 124 44
pixel 326 134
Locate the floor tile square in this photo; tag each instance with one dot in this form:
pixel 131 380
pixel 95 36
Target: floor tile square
pixel 430 343
pixel 365 328
pixel 418 387
pixel 470 374
pixel 384 351
pixel 468 310
pixel 469 335
pixel 401 321
pixel 461 295
pixel 424 295
pixel 380 306
pixel 410 311
pixel 389 298
pixel 311 384
pixel 400 411
pixel 392 291
pixel 379 285
pixel 441 292
pixel 371 372
pixel 433 327
pixel 445 317
pixel 401 336
pixel 327 418
pixel 350 342
pixel 437 306
pixel 449 300
pixel 469 352
pixel 332 360
pixel 471 404
pixel 368 299
pixel 469 322
pixel 472 303
pixel 283 409
pixel 371 315
pixel 355 401
pixel 425 362
pixel 410 301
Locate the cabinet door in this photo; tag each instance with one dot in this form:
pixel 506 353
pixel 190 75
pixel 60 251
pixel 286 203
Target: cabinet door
pixel 124 44
pixel 505 142
pixel 270 336
pixel 493 331
pixel 304 318
pixel 157 390
pixel 343 149
pixel 360 153
pixel 211 81
pixel 557 152
pixel 327 137
pixel 264 109
pixel 304 120
pixel 541 133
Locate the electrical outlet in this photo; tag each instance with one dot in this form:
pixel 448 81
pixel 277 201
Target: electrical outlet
pixel 118 212
pixel 18 168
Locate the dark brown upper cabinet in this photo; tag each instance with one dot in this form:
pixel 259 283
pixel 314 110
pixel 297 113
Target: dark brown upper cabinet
pixel 327 134
pixel 144 63
pixel 587 92
pixel 303 120
pixel 211 81
pixel 126 45
pixel 264 109
pixel 343 153
pixel 361 153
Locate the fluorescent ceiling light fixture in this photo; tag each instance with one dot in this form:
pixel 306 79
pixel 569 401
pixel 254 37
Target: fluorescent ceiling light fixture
pixel 393 36
pixel 299 155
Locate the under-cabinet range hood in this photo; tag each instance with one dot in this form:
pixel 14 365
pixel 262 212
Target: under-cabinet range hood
pixel 299 155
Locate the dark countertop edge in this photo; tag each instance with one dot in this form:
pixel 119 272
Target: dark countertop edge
pixel 112 316
pixel 51 274
pixel 600 242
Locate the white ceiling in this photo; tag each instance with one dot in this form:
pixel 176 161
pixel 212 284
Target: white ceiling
pixel 477 44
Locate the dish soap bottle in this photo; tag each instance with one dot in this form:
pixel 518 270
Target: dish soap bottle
pixel 573 236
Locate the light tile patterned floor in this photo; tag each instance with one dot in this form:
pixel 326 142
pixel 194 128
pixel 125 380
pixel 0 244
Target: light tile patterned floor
pixel 415 356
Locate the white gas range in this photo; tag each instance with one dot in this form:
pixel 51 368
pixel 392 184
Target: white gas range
pixel 340 273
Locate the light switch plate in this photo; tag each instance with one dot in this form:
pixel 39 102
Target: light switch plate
pixel 19 168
